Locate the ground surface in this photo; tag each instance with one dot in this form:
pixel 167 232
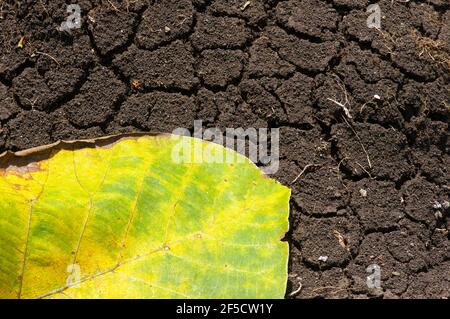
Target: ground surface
pixel 374 181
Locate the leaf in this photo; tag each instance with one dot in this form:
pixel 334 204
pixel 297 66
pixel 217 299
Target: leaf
pixel 119 218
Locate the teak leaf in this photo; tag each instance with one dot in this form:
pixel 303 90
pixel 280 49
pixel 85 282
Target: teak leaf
pixel 119 218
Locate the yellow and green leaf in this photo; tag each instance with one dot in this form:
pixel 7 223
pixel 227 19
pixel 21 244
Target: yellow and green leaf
pixel 119 218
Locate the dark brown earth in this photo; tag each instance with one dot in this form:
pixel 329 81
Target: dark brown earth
pixel 373 187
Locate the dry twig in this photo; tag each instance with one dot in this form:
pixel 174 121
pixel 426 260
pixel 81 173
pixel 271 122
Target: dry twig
pixel 47 55
pixel 360 142
pixel 303 171
pixel 346 102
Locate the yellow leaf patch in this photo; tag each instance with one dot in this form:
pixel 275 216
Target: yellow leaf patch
pixel 119 218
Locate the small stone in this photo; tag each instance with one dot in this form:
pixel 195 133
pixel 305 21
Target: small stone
pixel 363 192
pixel 437 205
pixel 323 258
pixel 445 204
pixel 167 29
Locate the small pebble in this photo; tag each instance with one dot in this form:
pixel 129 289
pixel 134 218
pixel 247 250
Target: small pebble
pixel 446 204
pixel 437 205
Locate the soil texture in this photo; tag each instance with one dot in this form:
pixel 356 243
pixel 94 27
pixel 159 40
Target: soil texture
pixel 364 113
